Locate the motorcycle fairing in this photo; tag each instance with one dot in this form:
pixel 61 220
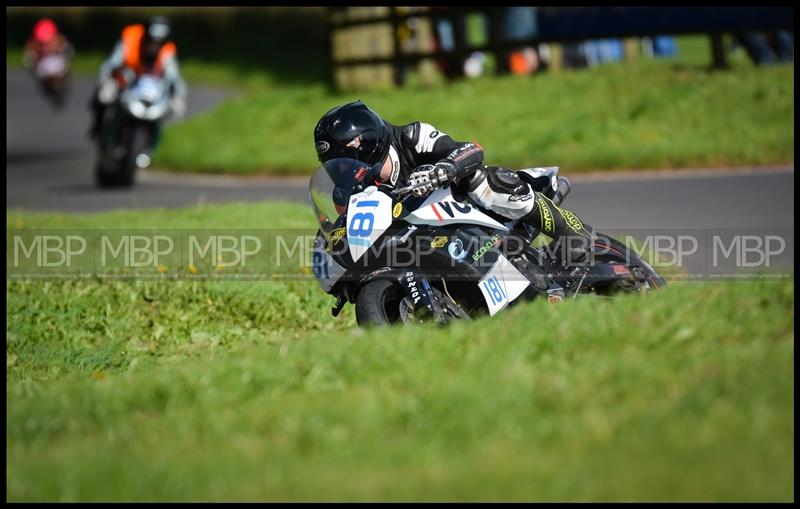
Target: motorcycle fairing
pixel 440 209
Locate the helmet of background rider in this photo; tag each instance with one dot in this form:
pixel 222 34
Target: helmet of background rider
pixel 157 32
pixel 353 131
pixel 44 30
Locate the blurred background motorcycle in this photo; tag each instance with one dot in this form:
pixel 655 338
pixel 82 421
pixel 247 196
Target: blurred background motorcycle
pixel 130 125
pixel 47 56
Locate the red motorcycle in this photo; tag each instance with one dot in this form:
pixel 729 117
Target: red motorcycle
pixel 52 71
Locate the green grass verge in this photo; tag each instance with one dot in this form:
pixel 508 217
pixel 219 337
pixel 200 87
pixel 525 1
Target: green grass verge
pixel 251 391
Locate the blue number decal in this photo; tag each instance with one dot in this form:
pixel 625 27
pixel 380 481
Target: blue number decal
pixel 494 290
pixel 320 265
pixel 368 203
pixel 364 228
pixel 365 220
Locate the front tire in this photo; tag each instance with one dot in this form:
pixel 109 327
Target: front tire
pixel 379 303
pixel 384 302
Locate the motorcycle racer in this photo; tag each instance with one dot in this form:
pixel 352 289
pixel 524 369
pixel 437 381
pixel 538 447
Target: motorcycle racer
pixel 423 158
pixel 143 49
pixel 45 39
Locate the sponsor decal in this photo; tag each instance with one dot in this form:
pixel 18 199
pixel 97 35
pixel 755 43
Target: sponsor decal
pixel 517 197
pixel 439 241
pixel 397 210
pixel 412 287
pixel 322 147
pixel 546 215
pixel 572 220
pixel 449 207
pixel 411 229
pixel 379 271
pixel 620 270
pixel 456 250
pixel 355 142
pixel 337 234
pixel 489 244
pixel 462 152
pixel 360 173
pixel 427 138
pixel 395 165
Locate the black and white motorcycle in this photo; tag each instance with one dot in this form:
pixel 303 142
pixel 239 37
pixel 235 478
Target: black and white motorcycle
pixel 129 127
pixel 401 258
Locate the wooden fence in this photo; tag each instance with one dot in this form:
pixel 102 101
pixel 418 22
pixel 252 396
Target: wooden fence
pixel 383 50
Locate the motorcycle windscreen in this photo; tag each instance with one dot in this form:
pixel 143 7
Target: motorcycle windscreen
pixel 330 188
pixel 147 98
pixel 149 88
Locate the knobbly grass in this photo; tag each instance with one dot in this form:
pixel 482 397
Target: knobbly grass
pixel 225 390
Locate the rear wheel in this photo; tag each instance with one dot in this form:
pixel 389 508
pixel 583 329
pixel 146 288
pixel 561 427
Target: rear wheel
pixel 615 251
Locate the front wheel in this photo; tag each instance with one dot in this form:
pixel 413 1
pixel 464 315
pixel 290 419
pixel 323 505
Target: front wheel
pixel 381 302
pixel 384 302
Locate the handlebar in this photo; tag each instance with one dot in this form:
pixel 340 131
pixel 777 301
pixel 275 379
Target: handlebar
pixel 402 192
pixel 561 193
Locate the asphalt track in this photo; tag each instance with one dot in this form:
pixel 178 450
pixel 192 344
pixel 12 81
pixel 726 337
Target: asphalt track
pixel 49 168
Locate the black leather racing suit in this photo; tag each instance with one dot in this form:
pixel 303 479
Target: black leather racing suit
pixel 501 191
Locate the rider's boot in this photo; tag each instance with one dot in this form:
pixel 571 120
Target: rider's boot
pixel 572 238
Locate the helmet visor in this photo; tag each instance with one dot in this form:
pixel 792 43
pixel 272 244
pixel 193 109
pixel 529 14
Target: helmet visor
pixel 158 31
pixel 332 185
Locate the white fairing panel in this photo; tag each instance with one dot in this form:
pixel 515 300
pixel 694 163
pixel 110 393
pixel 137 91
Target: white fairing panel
pixel 369 214
pixel 442 209
pixel 502 284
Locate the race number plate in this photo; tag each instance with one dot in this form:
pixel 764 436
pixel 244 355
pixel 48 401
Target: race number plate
pixel 502 284
pixel 325 268
pixel 368 215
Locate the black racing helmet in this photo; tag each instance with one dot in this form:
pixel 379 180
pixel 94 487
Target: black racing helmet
pixel 158 29
pixel 353 131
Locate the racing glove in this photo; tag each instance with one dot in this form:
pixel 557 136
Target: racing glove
pixel 428 177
